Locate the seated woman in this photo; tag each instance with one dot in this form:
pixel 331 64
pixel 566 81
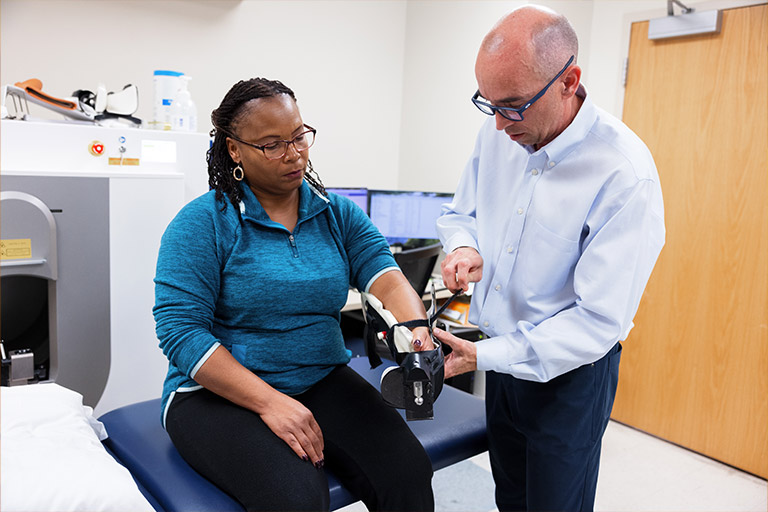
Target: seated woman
pixel 251 279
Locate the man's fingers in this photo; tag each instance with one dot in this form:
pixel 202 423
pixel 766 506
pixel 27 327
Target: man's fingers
pixel 466 272
pixel 448 273
pixel 448 365
pixel 462 358
pixel 460 268
pixel 444 336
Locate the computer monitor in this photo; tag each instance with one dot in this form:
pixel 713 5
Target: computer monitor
pixel 404 216
pixel 418 264
pixel 358 195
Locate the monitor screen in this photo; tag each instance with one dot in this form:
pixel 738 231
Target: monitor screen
pixel 405 215
pixel 359 196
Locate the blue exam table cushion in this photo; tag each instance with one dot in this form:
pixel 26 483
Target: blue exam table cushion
pixel 139 442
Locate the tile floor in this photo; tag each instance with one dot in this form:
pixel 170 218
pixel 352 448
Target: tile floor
pixel 639 473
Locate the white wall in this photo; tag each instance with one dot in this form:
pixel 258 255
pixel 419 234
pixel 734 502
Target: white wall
pixel 439 122
pixel 386 82
pixel 343 60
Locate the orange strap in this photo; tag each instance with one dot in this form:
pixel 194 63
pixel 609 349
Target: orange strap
pixel 34 87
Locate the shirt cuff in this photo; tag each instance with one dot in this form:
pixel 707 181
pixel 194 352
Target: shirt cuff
pixel 378 275
pixel 459 240
pixel 502 353
pixel 492 355
pixel 203 359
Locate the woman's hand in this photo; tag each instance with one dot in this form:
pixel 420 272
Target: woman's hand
pixel 421 339
pixel 295 424
pixel 285 416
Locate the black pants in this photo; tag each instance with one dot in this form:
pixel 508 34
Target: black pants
pixel 545 438
pixel 368 447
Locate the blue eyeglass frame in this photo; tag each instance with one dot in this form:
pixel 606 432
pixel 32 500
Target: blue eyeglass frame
pixel 485 107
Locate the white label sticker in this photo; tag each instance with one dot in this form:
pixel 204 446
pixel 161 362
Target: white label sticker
pixel 160 151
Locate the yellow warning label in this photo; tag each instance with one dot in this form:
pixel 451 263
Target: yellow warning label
pixel 123 161
pixel 15 249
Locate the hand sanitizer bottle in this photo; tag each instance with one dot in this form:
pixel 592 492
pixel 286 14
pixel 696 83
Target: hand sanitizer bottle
pixel 166 83
pixel 183 110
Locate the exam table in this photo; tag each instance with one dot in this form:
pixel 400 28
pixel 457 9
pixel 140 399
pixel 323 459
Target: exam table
pixel 139 442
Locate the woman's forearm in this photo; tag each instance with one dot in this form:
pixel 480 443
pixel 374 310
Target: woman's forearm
pixel 226 377
pixel 398 296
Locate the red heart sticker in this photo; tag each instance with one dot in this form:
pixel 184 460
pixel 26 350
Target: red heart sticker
pixel 96 148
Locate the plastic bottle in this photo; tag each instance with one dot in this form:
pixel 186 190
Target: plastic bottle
pixel 183 110
pixel 166 83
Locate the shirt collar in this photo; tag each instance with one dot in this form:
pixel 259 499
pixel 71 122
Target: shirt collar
pixel 311 202
pixel 574 133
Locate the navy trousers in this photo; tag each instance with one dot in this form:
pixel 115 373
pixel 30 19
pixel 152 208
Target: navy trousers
pixel 545 438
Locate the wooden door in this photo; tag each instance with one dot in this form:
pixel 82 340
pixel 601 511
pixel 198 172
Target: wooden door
pixel 694 370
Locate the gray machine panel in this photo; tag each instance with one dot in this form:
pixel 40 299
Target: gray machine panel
pixel 79 290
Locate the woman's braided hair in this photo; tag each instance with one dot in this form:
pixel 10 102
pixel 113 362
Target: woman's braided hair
pixel 225 120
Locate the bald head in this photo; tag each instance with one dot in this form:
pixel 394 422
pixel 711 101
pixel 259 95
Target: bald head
pixel 524 66
pixel 534 38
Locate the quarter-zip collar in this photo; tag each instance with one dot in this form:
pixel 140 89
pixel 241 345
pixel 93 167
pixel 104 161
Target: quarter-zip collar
pixel 311 203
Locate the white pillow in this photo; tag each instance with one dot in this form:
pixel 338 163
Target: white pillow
pixel 52 458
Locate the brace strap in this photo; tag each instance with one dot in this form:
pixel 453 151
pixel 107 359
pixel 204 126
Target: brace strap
pixel 419 322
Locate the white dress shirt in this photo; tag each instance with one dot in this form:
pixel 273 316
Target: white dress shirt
pixel 569 235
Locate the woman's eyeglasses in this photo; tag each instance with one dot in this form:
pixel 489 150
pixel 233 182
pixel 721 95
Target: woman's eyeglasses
pixel 277 149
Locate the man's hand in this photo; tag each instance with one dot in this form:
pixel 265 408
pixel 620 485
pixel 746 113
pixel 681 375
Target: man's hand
pixel 462 359
pixel 462 266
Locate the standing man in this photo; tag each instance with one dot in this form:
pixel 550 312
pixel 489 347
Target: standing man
pixel 558 219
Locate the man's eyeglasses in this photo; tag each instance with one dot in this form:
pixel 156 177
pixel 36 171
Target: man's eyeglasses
pixel 514 114
pixel 277 149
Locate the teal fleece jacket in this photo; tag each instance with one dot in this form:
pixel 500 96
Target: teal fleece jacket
pixel 270 296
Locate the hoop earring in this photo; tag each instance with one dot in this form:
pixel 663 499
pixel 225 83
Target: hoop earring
pixel 238 173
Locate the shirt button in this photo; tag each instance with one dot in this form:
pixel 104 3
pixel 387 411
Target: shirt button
pixel 497 287
pixel 535 172
pixel 486 324
pixel 519 211
pixel 510 249
pixel 551 163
